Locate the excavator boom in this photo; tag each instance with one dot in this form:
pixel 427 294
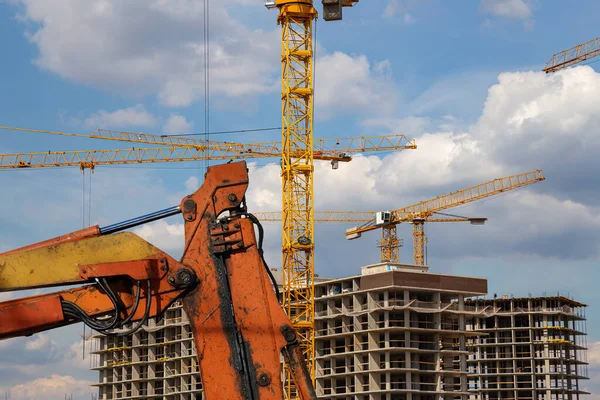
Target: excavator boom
pixel 240 330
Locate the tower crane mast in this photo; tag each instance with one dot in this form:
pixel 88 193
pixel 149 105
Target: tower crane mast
pixel 297 164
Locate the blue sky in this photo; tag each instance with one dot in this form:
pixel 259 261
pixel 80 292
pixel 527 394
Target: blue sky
pixel 461 77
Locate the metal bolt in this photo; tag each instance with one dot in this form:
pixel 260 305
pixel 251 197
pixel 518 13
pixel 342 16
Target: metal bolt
pixel 225 227
pixel 237 226
pixel 185 277
pixel 172 280
pixel 163 267
pixel 264 379
pixel 84 271
pixel 240 245
pixel 288 333
pixel 232 197
pixel 189 217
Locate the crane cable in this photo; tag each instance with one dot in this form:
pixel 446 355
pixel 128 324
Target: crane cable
pixel 206 39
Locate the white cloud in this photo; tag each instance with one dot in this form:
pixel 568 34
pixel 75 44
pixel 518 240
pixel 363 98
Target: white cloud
pixel 116 46
pixel 76 356
pixel 165 236
pixel 126 117
pixel 352 84
pixel 517 9
pixel 594 354
pixel 178 124
pixel 53 388
pixel 510 9
pixel 39 342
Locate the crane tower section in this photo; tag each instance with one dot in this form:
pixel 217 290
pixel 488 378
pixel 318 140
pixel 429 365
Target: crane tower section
pixel 297 163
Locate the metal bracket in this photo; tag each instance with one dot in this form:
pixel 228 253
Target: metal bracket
pixel 226 236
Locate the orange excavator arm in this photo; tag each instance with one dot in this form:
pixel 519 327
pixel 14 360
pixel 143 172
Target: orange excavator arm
pixel 240 330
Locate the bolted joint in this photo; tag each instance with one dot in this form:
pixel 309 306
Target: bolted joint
pixel 288 333
pixel 232 197
pixel 183 278
pixel 189 210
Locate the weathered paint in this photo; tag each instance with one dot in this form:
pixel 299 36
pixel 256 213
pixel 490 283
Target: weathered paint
pixel 59 265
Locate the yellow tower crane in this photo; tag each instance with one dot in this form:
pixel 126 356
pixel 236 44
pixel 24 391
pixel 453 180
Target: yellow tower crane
pixel 297 67
pixel 367 216
pixel 333 149
pixel 575 55
pixel 418 213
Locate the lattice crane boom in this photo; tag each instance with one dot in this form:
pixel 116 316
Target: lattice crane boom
pixel 357 216
pixel 575 55
pixel 389 244
pixel 324 148
pixel 418 213
pixel 334 149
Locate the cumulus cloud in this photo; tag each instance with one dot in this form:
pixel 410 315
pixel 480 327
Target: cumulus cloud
pixel 116 46
pixel 510 9
pixel 178 124
pixel 53 388
pixel 39 342
pixel 166 236
pixel 352 84
pixel 593 356
pixel 529 121
pixel 136 116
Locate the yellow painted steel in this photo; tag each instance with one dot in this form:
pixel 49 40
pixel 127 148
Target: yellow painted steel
pixel 418 242
pixel 58 265
pixel 191 150
pixel 420 212
pixel 322 147
pixel 389 244
pixel 575 55
pixel 297 166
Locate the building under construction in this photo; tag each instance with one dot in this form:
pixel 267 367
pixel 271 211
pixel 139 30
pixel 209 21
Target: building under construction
pixel 393 332
pixel 157 362
pixel 530 348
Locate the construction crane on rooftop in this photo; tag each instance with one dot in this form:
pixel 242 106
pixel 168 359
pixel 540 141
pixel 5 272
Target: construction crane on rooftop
pixel 418 213
pixel 297 69
pixel 392 244
pixel 333 149
pixel 575 55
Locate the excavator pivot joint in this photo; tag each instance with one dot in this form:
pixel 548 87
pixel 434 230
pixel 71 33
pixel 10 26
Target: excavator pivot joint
pixel 184 278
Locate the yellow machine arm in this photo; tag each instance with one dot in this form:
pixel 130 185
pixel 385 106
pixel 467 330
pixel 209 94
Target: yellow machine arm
pixel 419 213
pixel 334 150
pixel 575 55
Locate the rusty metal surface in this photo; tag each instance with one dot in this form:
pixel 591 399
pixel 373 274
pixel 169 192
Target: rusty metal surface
pixel 89 232
pixel 227 294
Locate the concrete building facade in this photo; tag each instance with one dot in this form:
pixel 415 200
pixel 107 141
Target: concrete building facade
pixel 529 348
pixel 157 362
pixel 393 332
